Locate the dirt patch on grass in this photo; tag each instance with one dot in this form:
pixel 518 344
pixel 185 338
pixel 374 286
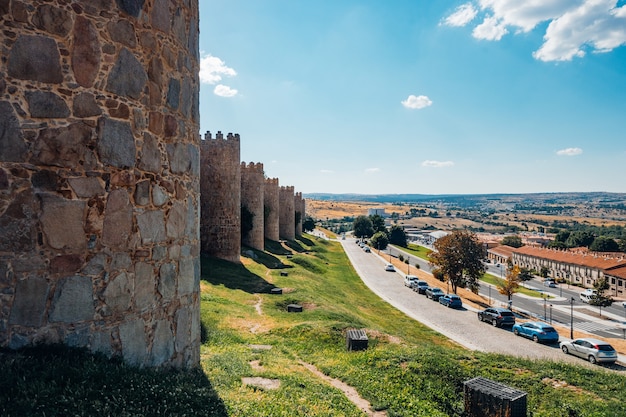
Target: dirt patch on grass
pixel 262 383
pixel 394 340
pixel 558 384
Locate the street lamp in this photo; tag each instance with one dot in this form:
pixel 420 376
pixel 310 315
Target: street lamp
pixel 550 313
pixel 571 323
pixel 544 307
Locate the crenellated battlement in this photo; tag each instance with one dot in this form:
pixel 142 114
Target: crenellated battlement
pixel 253 167
pixel 271 181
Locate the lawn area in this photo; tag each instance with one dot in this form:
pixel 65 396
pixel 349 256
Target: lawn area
pixel 415 250
pixel 248 335
pixel 493 280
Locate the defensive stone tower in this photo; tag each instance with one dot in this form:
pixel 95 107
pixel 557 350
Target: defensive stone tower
pixel 99 177
pixel 252 187
pixel 220 189
pixel 299 210
pixel 271 209
pixel 287 219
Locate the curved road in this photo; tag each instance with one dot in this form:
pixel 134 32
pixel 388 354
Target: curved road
pixel 460 325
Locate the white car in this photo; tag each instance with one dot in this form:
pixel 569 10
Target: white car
pixel 593 350
pixel 390 268
pixel 549 283
pixel 410 280
pixel 587 295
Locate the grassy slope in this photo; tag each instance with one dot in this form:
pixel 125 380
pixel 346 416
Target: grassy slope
pixel 408 370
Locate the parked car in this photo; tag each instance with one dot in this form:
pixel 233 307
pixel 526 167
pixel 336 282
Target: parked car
pixel 549 283
pixel 420 286
pixel 367 249
pixel 537 331
pixel 434 293
pixel 593 350
pixel 390 268
pixel 497 316
pixel 451 300
pixel 587 295
pixel 410 280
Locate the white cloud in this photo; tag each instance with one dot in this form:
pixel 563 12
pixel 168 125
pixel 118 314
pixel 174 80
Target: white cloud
pixel 416 102
pixel 372 170
pixel 569 152
pixel 575 26
pixel 212 69
pixel 437 164
pixel 224 91
pixel 463 14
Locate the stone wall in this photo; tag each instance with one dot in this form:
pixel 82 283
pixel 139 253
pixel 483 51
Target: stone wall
pixel 99 177
pixel 298 204
pixel 220 189
pixel 252 187
pixel 271 207
pixel 286 223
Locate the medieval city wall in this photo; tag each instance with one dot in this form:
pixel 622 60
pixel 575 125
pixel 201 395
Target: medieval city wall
pixel 286 223
pixel 299 211
pixel 220 190
pixel 99 177
pixel 252 190
pixel 271 208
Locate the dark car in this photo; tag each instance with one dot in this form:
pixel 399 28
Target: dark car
pixel 497 316
pixel 537 331
pixel 451 300
pixel 434 293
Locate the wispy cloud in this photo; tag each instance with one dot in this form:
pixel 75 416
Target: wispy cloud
pixel 574 27
pixel 437 164
pixel 224 91
pixel 212 70
pixel 569 152
pixel 372 170
pixel 462 15
pixel 416 102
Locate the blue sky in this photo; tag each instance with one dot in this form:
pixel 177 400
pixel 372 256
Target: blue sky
pixel 421 96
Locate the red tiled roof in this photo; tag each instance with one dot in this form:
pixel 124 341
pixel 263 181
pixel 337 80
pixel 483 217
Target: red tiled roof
pixel 583 259
pixel 503 250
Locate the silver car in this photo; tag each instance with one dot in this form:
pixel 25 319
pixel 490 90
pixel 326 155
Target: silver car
pixel 593 350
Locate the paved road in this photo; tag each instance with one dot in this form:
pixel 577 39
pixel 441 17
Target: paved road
pixel 461 326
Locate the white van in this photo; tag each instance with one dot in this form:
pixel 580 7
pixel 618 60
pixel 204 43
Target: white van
pixel 587 295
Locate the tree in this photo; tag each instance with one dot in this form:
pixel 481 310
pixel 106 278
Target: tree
pixel 363 227
pixel 379 240
pixel 378 223
pixel 459 256
pixel 544 272
pixel 579 238
pixel 309 224
pixel 604 244
pixel 247 221
pixel 397 236
pixel 510 285
pixel 525 275
pixel 601 299
pixel 513 241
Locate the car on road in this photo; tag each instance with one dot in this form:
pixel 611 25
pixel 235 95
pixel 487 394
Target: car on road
pixel 549 283
pixel 434 293
pixel 420 286
pixel 497 316
pixel 537 331
pixel 587 295
pixel 451 300
pixel 410 280
pixel 390 268
pixel 593 350
pixel 367 249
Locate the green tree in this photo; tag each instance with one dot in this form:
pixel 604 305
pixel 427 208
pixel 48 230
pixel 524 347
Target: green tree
pixel 579 238
pixel 397 236
pixel 247 221
pixel 544 272
pixel 378 223
pixel 525 275
pixel 513 241
pixel 510 284
pixel 309 224
pixel 379 240
pixel 601 299
pixel 604 244
pixel 362 227
pixel 459 256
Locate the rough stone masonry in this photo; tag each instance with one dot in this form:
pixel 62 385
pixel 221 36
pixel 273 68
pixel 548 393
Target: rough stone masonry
pixel 99 177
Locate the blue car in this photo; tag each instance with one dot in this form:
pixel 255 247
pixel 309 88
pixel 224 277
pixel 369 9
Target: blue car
pixel 537 331
pixel 451 300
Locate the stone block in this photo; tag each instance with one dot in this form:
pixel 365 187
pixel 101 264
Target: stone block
pixel 44 104
pixel 86 54
pixel 30 300
pixel 116 143
pixel 151 226
pixel 176 221
pixel 128 77
pixel 186 276
pixel 133 340
pixel 167 281
pixel 118 293
pixel 118 220
pixel 144 286
pixel 150 159
pixel 62 222
pixel 63 146
pixel 86 187
pixel 183 329
pixel 142 193
pixel 35 58
pixel 52 20
pixel 162 344
pixel 73 300
pixel 12 145
pixel 159 196
pixel 85 106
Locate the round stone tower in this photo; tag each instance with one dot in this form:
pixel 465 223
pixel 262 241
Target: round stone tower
pixel 298 204
pixel 99 177
pixel 287 218
pixel 252 185
pixel 271 207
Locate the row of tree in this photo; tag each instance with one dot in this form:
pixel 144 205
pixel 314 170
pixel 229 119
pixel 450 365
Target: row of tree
pixel 373 228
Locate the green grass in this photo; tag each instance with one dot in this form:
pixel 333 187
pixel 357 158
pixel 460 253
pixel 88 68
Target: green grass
pixel 408 369
pixel 415 250
pixel 493 280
